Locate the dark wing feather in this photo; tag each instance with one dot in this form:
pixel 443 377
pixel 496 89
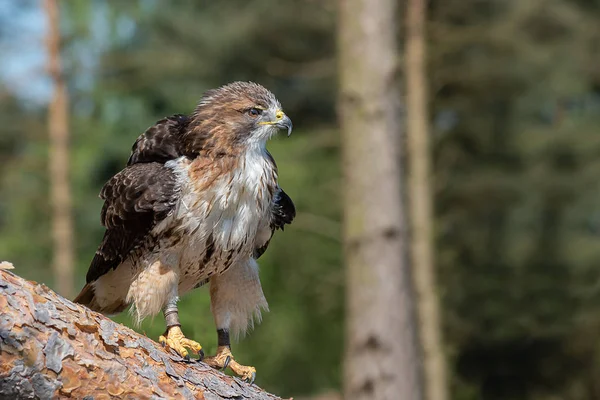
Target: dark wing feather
pixel 161 142
pixel 283 212
pixel 135 200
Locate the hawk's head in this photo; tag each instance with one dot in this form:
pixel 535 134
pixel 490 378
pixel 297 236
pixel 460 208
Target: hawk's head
pixel 237 115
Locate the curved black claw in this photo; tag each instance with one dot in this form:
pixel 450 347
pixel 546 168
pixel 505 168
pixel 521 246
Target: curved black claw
pixel 251 379
pixel 187 357
pixel 226 363
pixel 201 355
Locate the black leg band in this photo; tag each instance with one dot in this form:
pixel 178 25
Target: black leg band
pixel 223 337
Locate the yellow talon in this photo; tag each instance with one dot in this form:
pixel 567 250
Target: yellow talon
pixel 175 340
pixel 247 373
pixel 224 358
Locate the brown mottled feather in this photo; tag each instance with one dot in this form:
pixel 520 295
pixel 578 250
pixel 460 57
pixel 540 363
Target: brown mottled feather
pixel 161 142
pixel 136 199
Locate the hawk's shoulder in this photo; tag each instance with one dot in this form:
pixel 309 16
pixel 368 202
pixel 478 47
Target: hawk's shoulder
pixel 161 142
pixel 135 200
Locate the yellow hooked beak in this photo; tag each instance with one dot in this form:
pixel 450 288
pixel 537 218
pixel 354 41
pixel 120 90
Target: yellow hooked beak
pixel 282 121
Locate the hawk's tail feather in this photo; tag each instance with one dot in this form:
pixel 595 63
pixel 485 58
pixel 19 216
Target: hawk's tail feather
pixel 87 297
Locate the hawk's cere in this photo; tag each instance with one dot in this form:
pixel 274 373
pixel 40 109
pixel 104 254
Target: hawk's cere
pixel 198 202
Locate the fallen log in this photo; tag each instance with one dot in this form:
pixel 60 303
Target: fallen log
pixel 53 348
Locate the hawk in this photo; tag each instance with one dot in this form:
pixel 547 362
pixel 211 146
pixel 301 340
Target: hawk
pixel 198 202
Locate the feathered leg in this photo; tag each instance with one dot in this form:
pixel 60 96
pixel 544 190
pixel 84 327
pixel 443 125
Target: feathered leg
pixel 156 288
pixel 236 300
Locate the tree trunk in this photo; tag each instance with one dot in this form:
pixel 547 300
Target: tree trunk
pixel 381 354
pixel 52 348
pixel 420 205
pixel 60 191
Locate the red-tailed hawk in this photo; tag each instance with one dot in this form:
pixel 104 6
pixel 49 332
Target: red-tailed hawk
pixel 197 202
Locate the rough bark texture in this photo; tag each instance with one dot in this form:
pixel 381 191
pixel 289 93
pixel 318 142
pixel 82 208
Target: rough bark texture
pixel 420 205
pixel 52 348
pixel 58 168
pixel 381 351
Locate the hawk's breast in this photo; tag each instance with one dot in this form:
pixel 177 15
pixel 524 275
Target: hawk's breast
pixel 223 206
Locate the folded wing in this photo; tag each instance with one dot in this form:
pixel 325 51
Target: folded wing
pixel 135 200
pixel 283 213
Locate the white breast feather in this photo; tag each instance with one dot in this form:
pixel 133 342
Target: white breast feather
pixel 234 210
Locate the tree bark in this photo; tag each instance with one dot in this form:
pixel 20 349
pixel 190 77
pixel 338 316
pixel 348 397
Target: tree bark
pixel 420 204
pixel 53 348
pixel 381 360
pixel 60 191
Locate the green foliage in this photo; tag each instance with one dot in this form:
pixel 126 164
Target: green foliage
pixel 516 195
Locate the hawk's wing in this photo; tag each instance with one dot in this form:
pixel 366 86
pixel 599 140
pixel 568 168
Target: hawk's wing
pixel 283 212
pixel 135 200
pixel 161 142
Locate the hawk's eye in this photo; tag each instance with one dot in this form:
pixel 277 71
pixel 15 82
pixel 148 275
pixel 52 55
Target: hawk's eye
pixel 254 112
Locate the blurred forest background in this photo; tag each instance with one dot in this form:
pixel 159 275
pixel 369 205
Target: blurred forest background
pixel 514 88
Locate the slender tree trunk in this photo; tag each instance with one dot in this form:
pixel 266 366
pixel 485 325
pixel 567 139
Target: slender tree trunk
pixel 420 205
pixel 58 126
pixel 381 357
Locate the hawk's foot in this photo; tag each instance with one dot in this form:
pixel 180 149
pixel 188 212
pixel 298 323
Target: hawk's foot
pixel 174 339
pixel 224 358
